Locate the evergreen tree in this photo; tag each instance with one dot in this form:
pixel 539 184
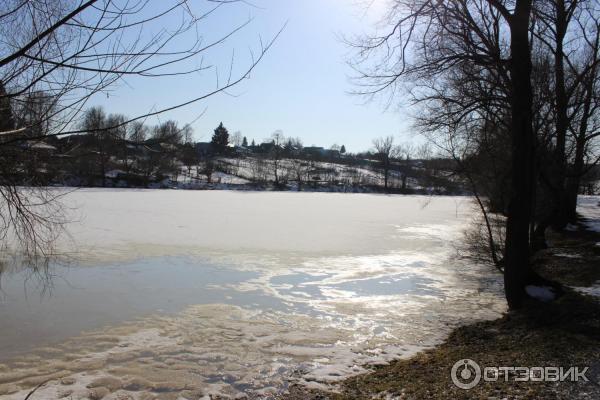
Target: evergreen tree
pixel 253 143
pixel 343 149
pixel 244 142
pixel 220 139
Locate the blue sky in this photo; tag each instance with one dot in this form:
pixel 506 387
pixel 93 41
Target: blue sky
pixel 300 87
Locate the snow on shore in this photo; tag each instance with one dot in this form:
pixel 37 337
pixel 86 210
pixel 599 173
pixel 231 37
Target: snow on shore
pixel 589 208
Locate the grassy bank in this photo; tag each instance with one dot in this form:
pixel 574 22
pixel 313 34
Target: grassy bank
pixel 563 333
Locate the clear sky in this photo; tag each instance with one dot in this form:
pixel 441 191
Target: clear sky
pixel 300 87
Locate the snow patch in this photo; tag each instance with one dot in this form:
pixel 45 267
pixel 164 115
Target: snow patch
pixel 541 293
pixel 589 208
pixel 568 255
pixel 591 291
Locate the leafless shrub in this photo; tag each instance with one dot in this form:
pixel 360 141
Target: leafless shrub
pixel 31 221
pixel 483 239
pixel 259 168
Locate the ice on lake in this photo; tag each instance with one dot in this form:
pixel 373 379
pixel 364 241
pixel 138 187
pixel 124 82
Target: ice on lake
pixel 199 292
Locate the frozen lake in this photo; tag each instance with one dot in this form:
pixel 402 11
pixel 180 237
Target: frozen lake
pixel 197 292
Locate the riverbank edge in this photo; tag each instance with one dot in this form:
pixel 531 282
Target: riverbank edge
pixel 563 333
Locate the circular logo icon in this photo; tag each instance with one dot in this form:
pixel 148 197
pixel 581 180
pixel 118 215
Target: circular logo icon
pixel 466 374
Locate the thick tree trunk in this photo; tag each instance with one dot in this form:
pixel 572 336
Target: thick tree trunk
pixel 572 193
pixel 520 208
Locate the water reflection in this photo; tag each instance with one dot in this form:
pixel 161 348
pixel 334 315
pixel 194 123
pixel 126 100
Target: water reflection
pixel 202 323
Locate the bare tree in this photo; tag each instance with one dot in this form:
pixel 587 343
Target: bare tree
pixel 208 169
pixel 189 157
pixel 117 137
pixel 56 56
pixel 385 151
pixel 431 43
pixel 584 97
pixel 138 132
pixel 300 172
pixel 276 154
pixel 236 139
pixel 566 34
pixel 259 169
pixel 187 133
pixel 94 122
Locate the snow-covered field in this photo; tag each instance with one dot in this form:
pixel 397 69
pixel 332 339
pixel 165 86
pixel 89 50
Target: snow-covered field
pixel 243 171
pixel 200 292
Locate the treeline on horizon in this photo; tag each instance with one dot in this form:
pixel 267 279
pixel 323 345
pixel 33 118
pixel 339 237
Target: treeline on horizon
pixel 111 151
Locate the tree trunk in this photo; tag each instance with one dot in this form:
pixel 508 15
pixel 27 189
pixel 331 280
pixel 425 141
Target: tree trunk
pixel 386 174
pixel 573 181
pixel 519 210
pixel 561 93
pixel 560 219
pixel 103 169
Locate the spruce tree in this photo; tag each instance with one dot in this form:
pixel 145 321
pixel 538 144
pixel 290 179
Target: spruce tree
pixel 244 142
pixel 220 139
pixel 343 149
